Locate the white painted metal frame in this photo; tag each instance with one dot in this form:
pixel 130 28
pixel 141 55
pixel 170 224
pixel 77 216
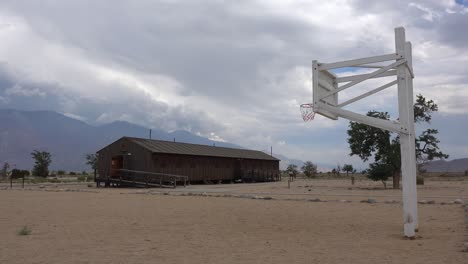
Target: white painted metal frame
pixel 325 99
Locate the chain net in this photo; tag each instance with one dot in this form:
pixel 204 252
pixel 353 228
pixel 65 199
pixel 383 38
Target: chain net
pixel 307 112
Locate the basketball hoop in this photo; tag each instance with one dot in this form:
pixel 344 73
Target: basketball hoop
pixel 307 112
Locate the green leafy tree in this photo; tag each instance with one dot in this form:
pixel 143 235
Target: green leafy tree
pixel 366 141
pixel 4 172
pixel 309 169
pixel 427 148
pixel 338 170
pixel 92 161
pixel 17 174
pixel 42 160
pixel 292 170
pixel 379 171
pixel 348 168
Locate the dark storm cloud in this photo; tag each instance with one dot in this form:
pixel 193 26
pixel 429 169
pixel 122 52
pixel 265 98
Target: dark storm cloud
pixel 237 68
pixel 454 30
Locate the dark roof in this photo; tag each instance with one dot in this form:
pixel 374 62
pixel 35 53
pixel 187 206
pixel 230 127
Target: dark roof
pixel 169 147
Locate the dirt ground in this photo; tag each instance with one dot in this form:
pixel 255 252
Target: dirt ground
pixel 77 224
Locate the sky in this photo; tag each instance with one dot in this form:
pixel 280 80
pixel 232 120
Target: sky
pixel 233 71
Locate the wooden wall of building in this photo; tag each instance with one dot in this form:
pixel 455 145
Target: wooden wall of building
pixel 197 168
pixel 138 159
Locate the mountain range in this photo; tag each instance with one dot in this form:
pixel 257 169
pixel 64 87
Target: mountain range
pixel 69 140
pixel 456 165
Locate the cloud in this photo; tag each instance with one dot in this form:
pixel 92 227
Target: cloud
pixel 77 117
pixel 18 90
pixel 215 137
pixel 236 69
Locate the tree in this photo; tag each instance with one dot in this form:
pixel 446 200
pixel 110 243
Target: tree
pixel 42 160
pixel 379 171
pixel 4 172
pixel 92 160
pixel 292 170
pixel 426 144
pixel 348 168
pixel 17 174
pixel 427 148
pixel 338 170
pixel 366 141
pixel 309 169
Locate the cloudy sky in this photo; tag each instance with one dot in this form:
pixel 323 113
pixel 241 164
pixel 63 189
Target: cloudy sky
pixel 229 70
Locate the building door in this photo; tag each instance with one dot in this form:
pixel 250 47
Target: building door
pixel 116 164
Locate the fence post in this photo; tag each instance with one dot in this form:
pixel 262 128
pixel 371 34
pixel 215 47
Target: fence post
pixel 11 182
pixel 23 181
pixel 175 182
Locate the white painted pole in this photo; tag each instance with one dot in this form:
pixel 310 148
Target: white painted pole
pixel 414 198
pixel 406 146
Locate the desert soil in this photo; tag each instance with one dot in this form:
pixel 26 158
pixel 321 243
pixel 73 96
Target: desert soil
pixel 145 226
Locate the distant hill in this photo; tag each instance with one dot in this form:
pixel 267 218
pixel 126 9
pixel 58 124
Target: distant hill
pixel 68 139
pixel 456 165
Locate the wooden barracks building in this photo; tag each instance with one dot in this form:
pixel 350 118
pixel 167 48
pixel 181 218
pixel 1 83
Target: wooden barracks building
pixel 196 163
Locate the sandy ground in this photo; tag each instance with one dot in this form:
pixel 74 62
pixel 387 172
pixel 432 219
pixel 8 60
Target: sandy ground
pixel 143 226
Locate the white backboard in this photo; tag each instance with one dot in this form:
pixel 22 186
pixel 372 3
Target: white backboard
pixel 323 82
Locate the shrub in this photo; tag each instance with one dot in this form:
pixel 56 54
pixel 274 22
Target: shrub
pixel 24 231
pixel 420 180
pixel 82 178
pixel 72 173
pixel 16 174
pixel 60 172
